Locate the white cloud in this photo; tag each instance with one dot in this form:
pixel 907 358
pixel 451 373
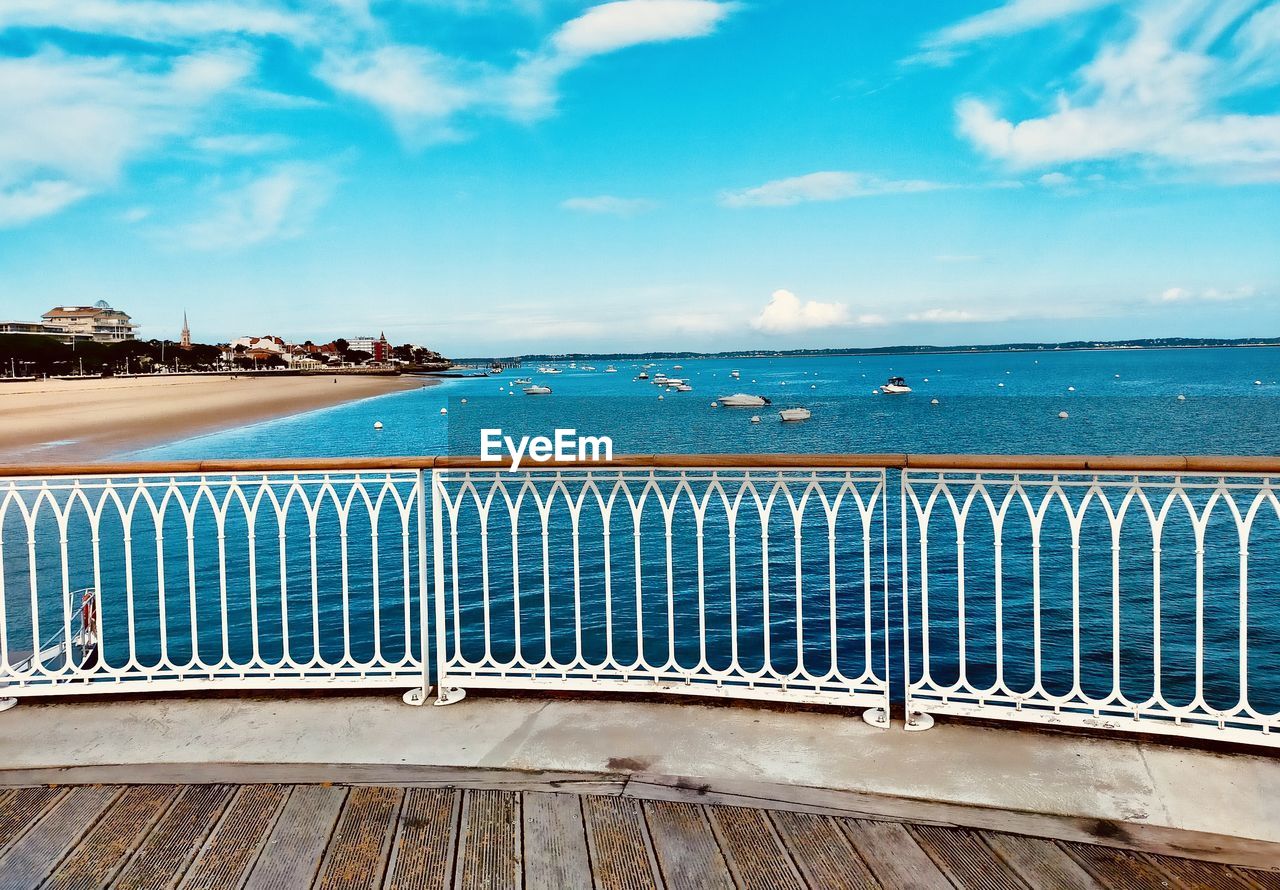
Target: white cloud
pixel 1159 89
pixel 276 205
pixel 154 20
pixel 823 186
pixel 423 91
pixel 1207 295
pixel 418 88
pixel 243 143
pixel 613 26
pixel 786 313
pixel 608 204
pixel 36 199
pixel 1056 180
pixel 73 123
pixel 1014 17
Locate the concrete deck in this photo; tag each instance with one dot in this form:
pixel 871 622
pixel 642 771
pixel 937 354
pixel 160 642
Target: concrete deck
pixel 1116 792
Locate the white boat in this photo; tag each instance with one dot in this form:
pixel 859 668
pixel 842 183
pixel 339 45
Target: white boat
pixel 522 381
pixel 734 374
pixel 677 367
pixel 611 370
pixel 743 400
pixel 643 375
pixel 895 386
pixel 795 414
pixel 673 381
pixel 587 367
pixel 549 370
pixel 684 387
pixel 537 390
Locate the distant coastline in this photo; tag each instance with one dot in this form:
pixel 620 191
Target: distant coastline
pixel 1149 343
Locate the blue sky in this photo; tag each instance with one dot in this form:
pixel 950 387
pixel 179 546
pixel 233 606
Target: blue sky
pixel 489 177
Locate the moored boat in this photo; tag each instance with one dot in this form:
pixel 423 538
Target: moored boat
pixel 537 390
pixel 743 400
pixel 791 415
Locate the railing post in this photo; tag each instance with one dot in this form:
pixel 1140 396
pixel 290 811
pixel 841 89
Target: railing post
pixel 445 695
pixel 418 695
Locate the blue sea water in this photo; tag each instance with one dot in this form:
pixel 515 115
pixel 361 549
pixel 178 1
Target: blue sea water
pixel 1124 402
pixel 1118 402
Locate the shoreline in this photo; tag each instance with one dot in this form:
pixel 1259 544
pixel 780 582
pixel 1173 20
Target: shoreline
pixel 53 420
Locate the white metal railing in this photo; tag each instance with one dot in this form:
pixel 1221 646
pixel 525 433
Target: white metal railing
pixel 1119 601
pixel 178 581
pixel 756 583
pixel 1140 600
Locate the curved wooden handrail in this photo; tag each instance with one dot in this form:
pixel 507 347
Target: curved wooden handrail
pixel 969 462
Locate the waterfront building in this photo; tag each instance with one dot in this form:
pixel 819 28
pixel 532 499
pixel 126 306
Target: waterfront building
pixel 98 322
pixel 378 347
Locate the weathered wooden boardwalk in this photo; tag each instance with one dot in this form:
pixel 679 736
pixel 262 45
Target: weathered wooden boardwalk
pixel 381 836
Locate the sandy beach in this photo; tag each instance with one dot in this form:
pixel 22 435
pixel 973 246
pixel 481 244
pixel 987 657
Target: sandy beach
pixel 48 421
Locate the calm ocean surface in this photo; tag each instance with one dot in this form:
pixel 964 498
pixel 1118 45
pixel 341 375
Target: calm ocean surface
pixel 1134 413
pixel 1123 402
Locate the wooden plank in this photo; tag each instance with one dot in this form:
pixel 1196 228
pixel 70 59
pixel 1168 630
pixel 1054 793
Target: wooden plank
pixel 1264 880
pixel 688 854
pixel 857 804
pixel 752 849
pixel 1039 862
pixel 357 855
pixel 174 841
pixel 965 857
pixel 893 855
pixel 555 842
pixel 621 855
pixel 1206 875
pixel 114 838
pixel 21 808
pixel 232 848
pixel 426 837
pixel 35 855
pixel 1119 869
pixel 822 851
pixel 292 855
pixel 489 841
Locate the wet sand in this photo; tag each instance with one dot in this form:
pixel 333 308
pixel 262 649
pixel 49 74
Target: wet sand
pixel 49 421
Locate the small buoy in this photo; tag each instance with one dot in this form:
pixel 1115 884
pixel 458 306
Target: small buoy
pixel 464 401
pixel 1257 383
pixel 511 393
pixel 999 384
pixel 755 418
pixel 926 380
pixel 875 392
pixel 659 398
pixel 377 424
pixel 1117 376
pixel 813 386
pixel 933 401
pixel 1071 389
pixel 444 410
pixel 1181 397
pixel 715 404
pixel 784 383
pixel 1063 415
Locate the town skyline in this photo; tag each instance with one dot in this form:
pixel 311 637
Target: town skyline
pixel 566 176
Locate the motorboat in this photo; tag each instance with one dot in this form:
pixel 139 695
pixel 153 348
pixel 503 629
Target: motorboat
pixel 522 381
pixel 537 390
pixel 643 375
pixel 743 400
pixel 611 370
pixel 734 374
pixel 795 414
pixel 587 367
pixel 677 367
pixel 895 386
pixel 683 387
pixel 549 370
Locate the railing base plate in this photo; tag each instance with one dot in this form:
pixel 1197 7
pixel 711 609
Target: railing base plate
pixel 918 722
pixel 7 703
pixel 877 717
pixel 449 695
pixel 416 696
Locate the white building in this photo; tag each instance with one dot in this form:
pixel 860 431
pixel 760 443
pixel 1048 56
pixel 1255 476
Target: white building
pixel 98 322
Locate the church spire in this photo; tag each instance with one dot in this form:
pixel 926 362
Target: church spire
pixel 186 331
